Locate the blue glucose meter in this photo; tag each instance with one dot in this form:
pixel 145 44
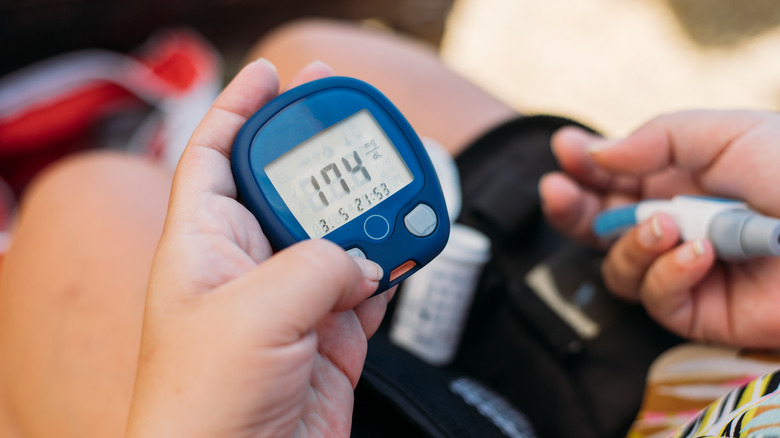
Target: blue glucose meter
pixel 335 159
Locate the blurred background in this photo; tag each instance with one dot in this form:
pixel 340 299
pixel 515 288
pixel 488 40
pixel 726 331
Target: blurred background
pixel 610 63
pixel 616 63
pixel 32 29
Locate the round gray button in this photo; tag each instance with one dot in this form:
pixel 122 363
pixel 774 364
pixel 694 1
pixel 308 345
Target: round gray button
pixel 421 221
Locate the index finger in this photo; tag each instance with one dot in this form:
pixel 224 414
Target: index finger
pixel 726 151
pixel 205 164
pixel 692 140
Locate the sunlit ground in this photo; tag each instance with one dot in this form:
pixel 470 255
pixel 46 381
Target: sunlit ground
pixel 616 63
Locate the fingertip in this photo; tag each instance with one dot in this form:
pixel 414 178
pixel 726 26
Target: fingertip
pixel 558 193
pixel 659 233
pixel 320 66
pixel 573 136
pixel 252 87
pixel 266 63
pixel 262 68
pixel 568 207
pixel 543 189
pixel 570 147
pixel 568 142
pixel 312 71
pixel 372 272
pixel 600 145
pixel 695 255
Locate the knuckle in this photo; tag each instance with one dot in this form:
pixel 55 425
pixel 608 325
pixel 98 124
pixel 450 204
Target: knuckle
pixel 652 285
pixel 608 276
pixel 615 281
pixel 623 270
pixel 634 255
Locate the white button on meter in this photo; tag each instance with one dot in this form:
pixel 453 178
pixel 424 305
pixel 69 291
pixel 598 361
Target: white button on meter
pixel 421 221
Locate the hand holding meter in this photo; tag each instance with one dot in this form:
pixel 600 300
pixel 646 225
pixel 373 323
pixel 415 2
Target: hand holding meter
pixel 335 159
pixel 736 231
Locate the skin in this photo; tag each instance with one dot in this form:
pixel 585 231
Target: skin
pixel 286 334
pixel 221 339
pixel 721 153
pixel 72 291
pixel 438 102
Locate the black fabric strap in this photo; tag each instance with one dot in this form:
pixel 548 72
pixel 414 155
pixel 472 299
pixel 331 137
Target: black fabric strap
pixel 514 342
pixel 419 400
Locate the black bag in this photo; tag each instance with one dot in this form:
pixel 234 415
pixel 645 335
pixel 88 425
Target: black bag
pixel 526 367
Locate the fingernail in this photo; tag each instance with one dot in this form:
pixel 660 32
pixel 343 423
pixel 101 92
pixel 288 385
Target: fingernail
pixel 599 145
pixel 266 62
pixel 655 225
pixel 650 232
pixel 690 251
pixel 371 271
pixel 321 65
pixel 577 132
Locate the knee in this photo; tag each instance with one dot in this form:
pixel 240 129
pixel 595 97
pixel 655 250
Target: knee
pixel 90 219
pixel 340 44
pixel 297 36
pixel 94 179
pixel 97 200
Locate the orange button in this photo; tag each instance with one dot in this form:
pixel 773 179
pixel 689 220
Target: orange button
pixel 401 270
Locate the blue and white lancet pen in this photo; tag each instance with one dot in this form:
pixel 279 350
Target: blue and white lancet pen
pixel 736 231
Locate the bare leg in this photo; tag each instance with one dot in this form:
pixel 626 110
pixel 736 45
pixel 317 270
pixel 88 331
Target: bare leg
pixel 438 103
pixel 72 292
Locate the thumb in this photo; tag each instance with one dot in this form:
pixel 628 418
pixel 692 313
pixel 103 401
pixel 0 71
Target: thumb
pixel 296 288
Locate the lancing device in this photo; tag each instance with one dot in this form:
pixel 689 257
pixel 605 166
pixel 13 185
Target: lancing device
pixel 736 231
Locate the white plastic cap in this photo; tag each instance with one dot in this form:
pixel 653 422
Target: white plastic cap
pixel 467 245
pixel 449 178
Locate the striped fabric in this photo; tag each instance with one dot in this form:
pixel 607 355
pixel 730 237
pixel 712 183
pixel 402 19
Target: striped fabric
pixel 752 410
pixel 705 391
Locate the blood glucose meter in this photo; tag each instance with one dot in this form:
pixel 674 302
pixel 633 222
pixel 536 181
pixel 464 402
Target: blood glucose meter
pixel 335 159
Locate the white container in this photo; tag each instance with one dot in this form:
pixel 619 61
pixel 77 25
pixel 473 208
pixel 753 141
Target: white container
pixel 434 302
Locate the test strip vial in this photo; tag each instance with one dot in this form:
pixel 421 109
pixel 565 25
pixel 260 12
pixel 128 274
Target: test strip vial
pixel 434 303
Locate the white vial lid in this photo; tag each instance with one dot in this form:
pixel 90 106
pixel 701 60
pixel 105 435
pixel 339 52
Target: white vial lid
pixel 449 178
pixel 467 245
